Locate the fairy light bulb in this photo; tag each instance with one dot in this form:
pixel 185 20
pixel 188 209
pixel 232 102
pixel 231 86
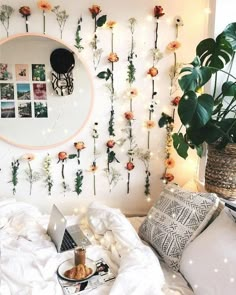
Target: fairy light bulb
pixel 149 18
pixel 207 10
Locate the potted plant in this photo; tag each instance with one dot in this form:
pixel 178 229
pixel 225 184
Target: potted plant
pixel 210 117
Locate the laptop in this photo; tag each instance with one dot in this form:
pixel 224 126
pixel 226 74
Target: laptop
pixel 65 238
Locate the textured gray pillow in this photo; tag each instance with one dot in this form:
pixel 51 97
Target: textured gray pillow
pixel 176 218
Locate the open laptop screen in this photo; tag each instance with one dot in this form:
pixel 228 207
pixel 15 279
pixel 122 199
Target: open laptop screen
pixel 56 227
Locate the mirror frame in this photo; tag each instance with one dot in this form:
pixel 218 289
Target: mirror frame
pixel 15 36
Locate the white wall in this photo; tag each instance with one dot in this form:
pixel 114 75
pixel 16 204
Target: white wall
pixel 195 28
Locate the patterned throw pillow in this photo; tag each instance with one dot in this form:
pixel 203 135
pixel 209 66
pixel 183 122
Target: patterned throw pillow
pixel 176 218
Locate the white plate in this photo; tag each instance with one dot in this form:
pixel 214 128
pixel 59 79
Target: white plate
pixel 68 264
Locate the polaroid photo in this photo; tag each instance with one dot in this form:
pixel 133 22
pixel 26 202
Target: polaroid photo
pixel 8 109
pixel 5 73
pixel 7 91
pixel 23 91
pixel 24 109
pixel 38 72
pixel 22 72
pixel 40 91
pixel 40 109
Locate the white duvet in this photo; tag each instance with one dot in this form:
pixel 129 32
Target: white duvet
pixel 29 259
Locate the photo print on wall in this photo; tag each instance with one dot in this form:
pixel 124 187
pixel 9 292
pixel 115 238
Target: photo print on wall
pixel 40 91
pixel 5 73
pixel 7 109
pixel 38 72
pixel 22 72
pixel 7 91
pixel 23 91
pixel 40 109
pixel 24 110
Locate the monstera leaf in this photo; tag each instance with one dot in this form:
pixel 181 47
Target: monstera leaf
pixel 180 145
pixel 229 34
pixel 192 78
pixel 214 54
pixel 195 111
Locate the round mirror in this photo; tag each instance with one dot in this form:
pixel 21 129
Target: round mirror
pixel 34 113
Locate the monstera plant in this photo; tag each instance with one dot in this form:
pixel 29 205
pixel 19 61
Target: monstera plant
pixel 208 116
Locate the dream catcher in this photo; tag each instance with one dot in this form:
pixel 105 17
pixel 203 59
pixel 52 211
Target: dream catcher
pixel 62 62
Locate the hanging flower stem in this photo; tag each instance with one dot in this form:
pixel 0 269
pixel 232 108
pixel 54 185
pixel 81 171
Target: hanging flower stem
pixel 26 24
pixel 44 22
pixel 15 166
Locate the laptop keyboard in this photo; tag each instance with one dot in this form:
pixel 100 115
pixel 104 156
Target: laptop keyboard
pixel 67 243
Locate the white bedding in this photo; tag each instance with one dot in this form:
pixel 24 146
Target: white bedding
pixel 29 259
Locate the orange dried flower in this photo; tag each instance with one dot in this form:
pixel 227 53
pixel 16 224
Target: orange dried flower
pixel 93 168
pixel 169 163
pixel 149 124
pixel 79 145
pixel 152 71
pixel 174 45
pixel 44 5
pixel 25 11
pixel 28 157
pixel 62 156
pixel 129 115
pixel 95 10
pixel 113 57
pixel 111 24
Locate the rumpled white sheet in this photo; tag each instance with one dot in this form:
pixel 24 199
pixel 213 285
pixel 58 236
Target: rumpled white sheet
pixel 29 259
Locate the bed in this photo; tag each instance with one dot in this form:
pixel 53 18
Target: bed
pixel 29 259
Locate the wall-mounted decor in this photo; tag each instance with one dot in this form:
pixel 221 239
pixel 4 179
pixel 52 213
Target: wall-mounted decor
pixel 30 94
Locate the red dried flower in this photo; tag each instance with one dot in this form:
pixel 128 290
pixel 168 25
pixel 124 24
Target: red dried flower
pixel 175 101
pixel 168 177
pixel 110 143
pixel 158 11
pixel 25 11
pixel 62 156
pixel 130 166
pixel 95 10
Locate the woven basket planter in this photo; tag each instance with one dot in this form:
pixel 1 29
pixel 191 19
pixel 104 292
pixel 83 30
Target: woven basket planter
pixel 220 174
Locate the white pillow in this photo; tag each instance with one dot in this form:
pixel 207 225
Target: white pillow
pixel 209 262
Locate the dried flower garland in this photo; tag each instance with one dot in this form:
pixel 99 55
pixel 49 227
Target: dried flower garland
pixel 153 72
pixel 48 174
pixel 95 10
pixel 32 176
pixel 14 172
pixel 93 167
pixel 5 14
pixel 166 120
pixel 45 6
pixel 78 38
pixel 109 74
pixel 129 115
pixel 61 16
pixel 79 173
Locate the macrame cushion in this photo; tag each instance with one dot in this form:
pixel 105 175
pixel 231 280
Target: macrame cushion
pixel 176 218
